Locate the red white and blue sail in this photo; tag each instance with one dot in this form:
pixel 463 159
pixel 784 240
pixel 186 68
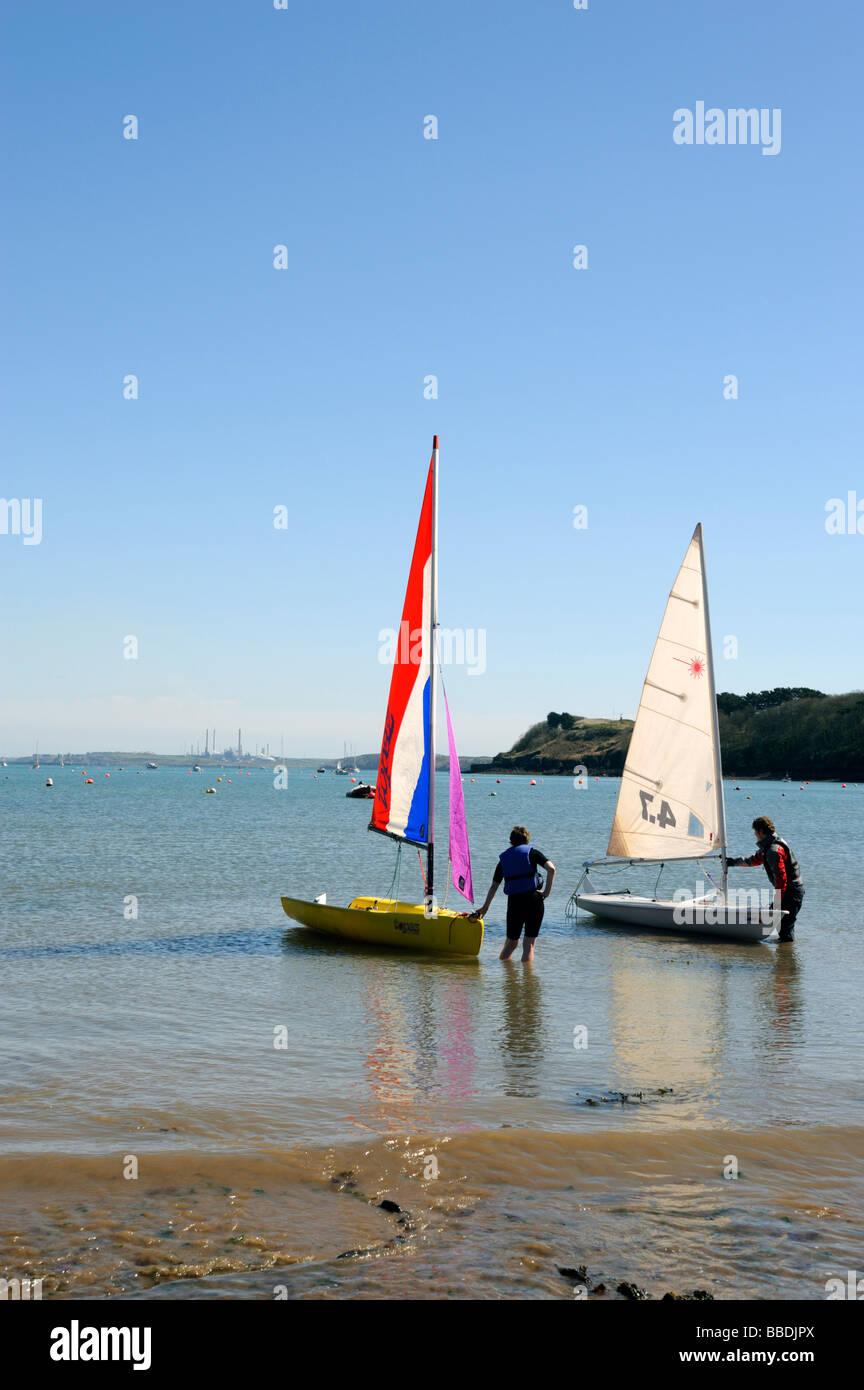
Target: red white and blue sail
pixel 402 794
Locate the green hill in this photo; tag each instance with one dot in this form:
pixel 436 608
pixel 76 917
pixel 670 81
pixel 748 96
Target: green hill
pixel 599 745
pixel 763 734
pixel 807 736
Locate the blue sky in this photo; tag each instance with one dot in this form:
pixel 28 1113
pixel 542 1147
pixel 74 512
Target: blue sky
pixel 408 257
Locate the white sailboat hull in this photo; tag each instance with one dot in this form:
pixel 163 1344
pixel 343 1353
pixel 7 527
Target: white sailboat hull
pixel 696 916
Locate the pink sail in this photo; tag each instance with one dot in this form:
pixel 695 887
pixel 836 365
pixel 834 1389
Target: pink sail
pixel 460 855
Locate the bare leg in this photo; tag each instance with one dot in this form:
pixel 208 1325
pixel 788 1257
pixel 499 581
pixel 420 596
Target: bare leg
pixel 509 947
pixel 528 949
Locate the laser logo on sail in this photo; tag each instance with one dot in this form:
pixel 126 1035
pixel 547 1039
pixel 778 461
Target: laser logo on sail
pixel 696 664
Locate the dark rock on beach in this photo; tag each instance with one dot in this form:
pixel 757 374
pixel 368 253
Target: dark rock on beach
pixel 631 1290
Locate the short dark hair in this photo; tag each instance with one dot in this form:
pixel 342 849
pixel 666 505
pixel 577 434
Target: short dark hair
pixel 764 824
pixel 519 835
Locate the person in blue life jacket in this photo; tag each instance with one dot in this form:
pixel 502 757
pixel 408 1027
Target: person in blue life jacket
pixel 517 870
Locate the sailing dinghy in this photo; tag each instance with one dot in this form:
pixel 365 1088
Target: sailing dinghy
pixel 404 807
pixel 670 806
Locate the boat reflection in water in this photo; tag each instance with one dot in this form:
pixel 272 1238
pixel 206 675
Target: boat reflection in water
pixel 418 1046
pixel 694 1025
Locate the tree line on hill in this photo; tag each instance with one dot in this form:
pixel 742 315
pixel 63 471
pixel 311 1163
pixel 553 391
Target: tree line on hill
pixel 790 730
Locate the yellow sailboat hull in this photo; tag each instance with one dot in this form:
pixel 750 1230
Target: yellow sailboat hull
pixel 385 922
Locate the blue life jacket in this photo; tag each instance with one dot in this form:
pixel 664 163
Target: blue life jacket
pixel 519 876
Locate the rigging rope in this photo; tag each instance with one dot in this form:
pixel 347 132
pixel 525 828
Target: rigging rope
pixel 394 882
pixel 659 876
pixel 707 875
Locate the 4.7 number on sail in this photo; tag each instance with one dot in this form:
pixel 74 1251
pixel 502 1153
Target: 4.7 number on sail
pixel 666 816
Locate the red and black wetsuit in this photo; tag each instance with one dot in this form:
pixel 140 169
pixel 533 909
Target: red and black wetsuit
pixel 781 866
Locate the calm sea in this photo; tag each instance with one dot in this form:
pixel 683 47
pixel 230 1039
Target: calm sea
pixel 155 1138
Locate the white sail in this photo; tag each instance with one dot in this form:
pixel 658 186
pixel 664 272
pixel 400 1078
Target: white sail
pixel 670 805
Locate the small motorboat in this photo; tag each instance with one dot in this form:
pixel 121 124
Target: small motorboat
pixel 362 792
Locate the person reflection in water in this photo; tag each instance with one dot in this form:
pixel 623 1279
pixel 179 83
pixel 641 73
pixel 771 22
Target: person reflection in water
pixel 517 869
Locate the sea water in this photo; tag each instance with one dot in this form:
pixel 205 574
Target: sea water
pixel 203 1098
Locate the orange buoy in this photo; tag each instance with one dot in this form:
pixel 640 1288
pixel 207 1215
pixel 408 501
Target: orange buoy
pixel 107 774
pixel 88 782
pixel 532 783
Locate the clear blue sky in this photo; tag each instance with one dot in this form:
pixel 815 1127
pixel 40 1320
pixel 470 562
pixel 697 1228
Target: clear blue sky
pixel 409 257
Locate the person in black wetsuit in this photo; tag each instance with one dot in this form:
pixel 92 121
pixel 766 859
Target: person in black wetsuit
pixel 517 869
pixel 781 866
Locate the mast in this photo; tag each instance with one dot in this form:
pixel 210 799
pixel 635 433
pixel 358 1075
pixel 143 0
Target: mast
pixel 715 722
pixel 433 679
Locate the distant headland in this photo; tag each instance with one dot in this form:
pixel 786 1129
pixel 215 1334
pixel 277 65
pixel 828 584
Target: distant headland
pixel 790 731
pixel 364 762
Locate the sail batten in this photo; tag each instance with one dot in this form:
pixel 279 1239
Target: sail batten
pixel 673 747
